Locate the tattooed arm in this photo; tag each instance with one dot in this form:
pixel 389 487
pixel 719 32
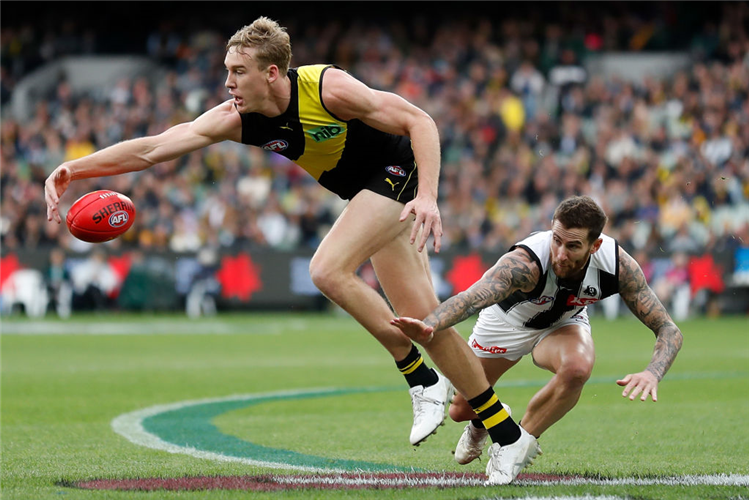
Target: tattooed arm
pixel 643 302
pixel 514 271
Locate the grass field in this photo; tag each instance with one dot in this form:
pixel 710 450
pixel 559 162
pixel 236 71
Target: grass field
pixel 64 382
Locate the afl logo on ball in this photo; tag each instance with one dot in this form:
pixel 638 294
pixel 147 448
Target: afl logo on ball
pixel 395 170
pixel 118 219
pixel 276 145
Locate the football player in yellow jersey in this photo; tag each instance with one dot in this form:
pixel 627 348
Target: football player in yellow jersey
pixel 365 145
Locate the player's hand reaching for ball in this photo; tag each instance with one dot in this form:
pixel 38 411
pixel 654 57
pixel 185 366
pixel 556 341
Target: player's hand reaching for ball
pixel 642 383
pixel 55 185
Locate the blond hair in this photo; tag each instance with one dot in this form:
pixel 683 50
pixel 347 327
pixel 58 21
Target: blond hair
pixel 272 43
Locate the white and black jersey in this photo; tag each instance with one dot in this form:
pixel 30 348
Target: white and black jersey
pixel 554 299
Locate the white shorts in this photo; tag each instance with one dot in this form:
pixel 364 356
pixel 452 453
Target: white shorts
pixel 493 337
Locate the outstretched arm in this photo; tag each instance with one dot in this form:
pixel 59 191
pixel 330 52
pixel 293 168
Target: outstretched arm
pixel 514 271
pixel 216 125
pixel 643 302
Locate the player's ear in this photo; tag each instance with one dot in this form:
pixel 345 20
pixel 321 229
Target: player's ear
pixel 273 73
pixel 596 246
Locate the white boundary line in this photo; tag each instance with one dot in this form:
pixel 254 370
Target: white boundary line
pixel 130 426
pixel 156 327
pixel 689 480
pixel 584 497
pixel 404 479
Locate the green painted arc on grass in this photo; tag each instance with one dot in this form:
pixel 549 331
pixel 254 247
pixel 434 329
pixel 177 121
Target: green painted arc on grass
pixel 191 426
pixel 188 425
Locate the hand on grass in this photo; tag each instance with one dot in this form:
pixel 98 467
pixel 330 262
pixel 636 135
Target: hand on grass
pixel 644 382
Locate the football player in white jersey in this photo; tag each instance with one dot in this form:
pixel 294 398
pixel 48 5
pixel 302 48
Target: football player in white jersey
pixel 533 301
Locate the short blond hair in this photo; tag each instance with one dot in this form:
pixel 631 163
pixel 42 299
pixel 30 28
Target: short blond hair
pixel 272 43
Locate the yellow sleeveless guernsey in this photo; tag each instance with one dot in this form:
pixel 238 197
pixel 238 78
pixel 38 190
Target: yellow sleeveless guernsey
pixel 335 152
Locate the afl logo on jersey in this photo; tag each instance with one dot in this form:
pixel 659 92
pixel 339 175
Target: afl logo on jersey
pixel 540 301
pixel 276 145
pixel 395 170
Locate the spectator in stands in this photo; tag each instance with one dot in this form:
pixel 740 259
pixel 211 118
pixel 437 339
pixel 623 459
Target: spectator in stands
pixel 672 287
pixel 59 283
pixel 94 282
pixel 671 141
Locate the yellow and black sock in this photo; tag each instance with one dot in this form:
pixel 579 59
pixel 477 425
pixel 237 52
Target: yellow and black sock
pixel 416 370
pixel 502 428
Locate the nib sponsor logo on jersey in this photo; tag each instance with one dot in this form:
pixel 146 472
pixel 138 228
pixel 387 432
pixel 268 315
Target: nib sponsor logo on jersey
pixel 326 132
pixel 492 349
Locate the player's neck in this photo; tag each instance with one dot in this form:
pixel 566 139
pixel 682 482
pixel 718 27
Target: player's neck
pixel 278 98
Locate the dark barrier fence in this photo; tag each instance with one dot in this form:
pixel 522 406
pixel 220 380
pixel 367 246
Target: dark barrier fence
pixel 267 280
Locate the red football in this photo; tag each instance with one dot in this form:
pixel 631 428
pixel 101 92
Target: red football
pixel 100 216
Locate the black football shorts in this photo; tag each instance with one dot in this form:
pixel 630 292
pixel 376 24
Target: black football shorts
pixel 398 182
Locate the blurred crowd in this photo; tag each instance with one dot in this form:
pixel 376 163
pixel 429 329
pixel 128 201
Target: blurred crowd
pixel 522 123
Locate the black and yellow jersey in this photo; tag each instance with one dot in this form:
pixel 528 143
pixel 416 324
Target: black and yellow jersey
pixel 341 155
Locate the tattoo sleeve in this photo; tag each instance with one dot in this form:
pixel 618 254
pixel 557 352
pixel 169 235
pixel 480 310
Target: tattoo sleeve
pixel 514 271
pixel 643 302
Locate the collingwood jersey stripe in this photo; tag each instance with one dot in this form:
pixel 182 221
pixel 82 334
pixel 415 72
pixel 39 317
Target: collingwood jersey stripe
pixel 553 300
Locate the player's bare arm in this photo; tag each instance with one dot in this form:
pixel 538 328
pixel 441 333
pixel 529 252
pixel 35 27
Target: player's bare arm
pixel 514 271
pixel 348 99
pixel 216 125
pixel 643 302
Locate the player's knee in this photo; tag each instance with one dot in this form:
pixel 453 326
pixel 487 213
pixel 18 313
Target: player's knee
pixel 323 276
pixel 575 372
pixel 460 410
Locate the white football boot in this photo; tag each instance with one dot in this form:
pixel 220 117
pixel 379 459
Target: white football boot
pixel 506 462
pixel 429 405
pixel 471 443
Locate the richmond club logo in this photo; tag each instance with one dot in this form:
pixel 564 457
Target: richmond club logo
pixel 118 219
pixel 395 170
pixel 276 145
